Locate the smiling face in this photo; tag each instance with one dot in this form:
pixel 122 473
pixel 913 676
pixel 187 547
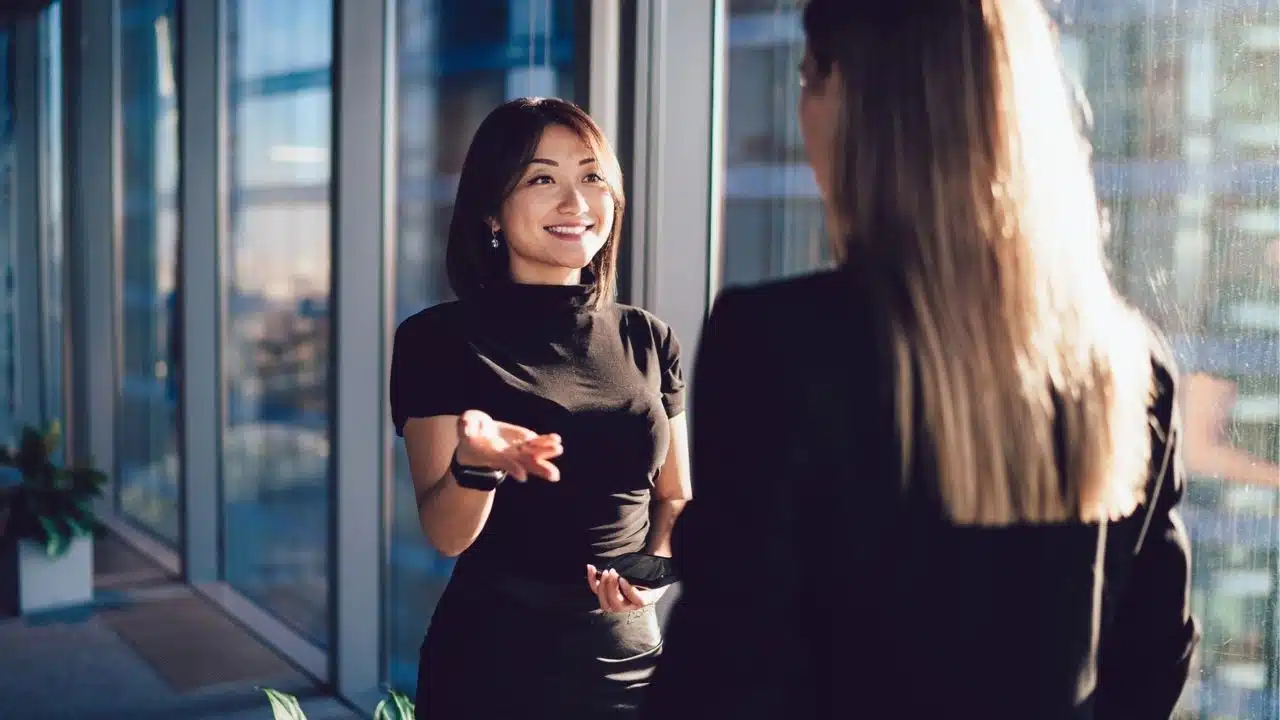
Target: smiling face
pixel 559 214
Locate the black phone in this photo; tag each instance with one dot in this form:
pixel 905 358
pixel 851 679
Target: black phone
pixel 644 570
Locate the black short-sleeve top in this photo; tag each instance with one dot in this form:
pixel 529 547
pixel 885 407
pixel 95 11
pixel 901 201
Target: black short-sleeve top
pixel 607 379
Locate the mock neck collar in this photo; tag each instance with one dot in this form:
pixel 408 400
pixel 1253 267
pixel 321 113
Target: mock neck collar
pixel 536 303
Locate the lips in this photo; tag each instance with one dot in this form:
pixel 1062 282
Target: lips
pixel 571 231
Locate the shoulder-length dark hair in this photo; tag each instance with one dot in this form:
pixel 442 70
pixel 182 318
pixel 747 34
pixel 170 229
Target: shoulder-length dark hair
pixel 503 145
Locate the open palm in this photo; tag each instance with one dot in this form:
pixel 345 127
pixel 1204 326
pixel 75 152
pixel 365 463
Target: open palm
pixel 521 452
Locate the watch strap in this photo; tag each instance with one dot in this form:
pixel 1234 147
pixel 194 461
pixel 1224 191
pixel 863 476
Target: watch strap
pixel 475 478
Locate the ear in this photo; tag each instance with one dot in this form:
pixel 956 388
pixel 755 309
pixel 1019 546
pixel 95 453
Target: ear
pixel 493 224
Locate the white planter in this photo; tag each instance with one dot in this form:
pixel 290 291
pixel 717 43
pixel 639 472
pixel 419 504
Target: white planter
pixel 44 583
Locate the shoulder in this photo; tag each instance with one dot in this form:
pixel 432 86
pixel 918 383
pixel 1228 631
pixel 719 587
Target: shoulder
pixel 1164 364
pixel 434 332
pixel 637 315
pixel 640 323
pixel 1164 377
pixel 429 323
pixel 806 289
pixel 788 306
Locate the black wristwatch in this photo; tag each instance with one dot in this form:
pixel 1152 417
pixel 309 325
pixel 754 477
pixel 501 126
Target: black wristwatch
pixel 476 478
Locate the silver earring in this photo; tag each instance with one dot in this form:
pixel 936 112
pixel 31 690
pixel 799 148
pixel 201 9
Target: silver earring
pixel 493 240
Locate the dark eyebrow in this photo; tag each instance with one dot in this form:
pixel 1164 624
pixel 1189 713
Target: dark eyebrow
pixel 553 163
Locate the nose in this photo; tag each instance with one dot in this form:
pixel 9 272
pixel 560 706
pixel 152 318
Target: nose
pixel 572 201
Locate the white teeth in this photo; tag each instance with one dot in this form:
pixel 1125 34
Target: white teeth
pixel 568 229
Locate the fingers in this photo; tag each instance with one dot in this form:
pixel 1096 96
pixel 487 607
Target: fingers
pixel 610 595
pixel 549 444
pixel 511 466
pixel 630 593
pixel 534 456
pixel 613 592
pixel 546 470
pixel 602 592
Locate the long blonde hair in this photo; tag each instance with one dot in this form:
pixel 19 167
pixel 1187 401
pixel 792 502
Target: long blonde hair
pixel 958 162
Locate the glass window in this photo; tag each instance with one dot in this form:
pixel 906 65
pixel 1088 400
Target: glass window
pixel 1186 108
pixel 1187 133
pixel 8 243
pixel 275 354
pixel 147 438
pixel 773 218
pixel 51 240
pixel 452 70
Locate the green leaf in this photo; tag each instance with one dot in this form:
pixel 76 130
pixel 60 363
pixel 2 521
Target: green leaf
pixel 396 706
pixel 404 705
pixel 55 543
pixel 284 706
pixel 77 529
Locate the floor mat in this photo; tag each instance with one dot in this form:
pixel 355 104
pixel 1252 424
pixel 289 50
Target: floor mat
pixel 192 645
pixel 117 566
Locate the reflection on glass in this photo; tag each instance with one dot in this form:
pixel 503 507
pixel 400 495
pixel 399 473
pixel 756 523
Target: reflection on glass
pixel 147 438
pixel 452 70
pixel 8 227
pixel 1186 136
pixel 773 219
pixel 51 244
pixel 275 358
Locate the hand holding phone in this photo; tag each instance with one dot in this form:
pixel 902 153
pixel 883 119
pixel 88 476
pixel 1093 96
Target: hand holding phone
pixel 643 569
pixel 630 582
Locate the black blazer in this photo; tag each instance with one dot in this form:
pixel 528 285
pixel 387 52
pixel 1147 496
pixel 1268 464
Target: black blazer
pixel 815 587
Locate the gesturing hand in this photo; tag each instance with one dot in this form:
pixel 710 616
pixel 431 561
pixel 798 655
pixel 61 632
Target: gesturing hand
pixel 485 442
pixel 616 594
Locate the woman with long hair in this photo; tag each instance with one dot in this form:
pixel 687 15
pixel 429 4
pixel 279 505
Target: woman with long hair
pixel 545 432
pixel 940 480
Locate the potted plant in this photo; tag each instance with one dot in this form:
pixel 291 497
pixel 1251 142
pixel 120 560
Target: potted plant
pixel 46 525
pixel 396 706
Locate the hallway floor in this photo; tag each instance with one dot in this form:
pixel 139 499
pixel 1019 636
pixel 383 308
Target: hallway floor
pixel 147 648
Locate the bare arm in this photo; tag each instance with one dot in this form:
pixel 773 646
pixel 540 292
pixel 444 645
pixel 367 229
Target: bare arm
pixel 672 489
pixel 451 516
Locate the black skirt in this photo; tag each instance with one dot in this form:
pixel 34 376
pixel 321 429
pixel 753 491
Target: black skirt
pixel 514 648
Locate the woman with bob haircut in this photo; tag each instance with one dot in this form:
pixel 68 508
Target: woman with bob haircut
pixel 960 494
pixel 544 424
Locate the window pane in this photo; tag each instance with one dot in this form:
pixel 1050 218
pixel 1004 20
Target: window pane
pixel 275 359
pixel 773 219
pixel 147 439
pixel 8 243
pixel 1186 108
pixel 452 70
pixel 51 241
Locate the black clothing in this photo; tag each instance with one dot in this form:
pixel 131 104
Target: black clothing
pixel 607 380
pixel 516 648
pixel 815 587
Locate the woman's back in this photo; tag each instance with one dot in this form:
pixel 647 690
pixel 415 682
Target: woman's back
pixel 925 477
pixel 819 583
